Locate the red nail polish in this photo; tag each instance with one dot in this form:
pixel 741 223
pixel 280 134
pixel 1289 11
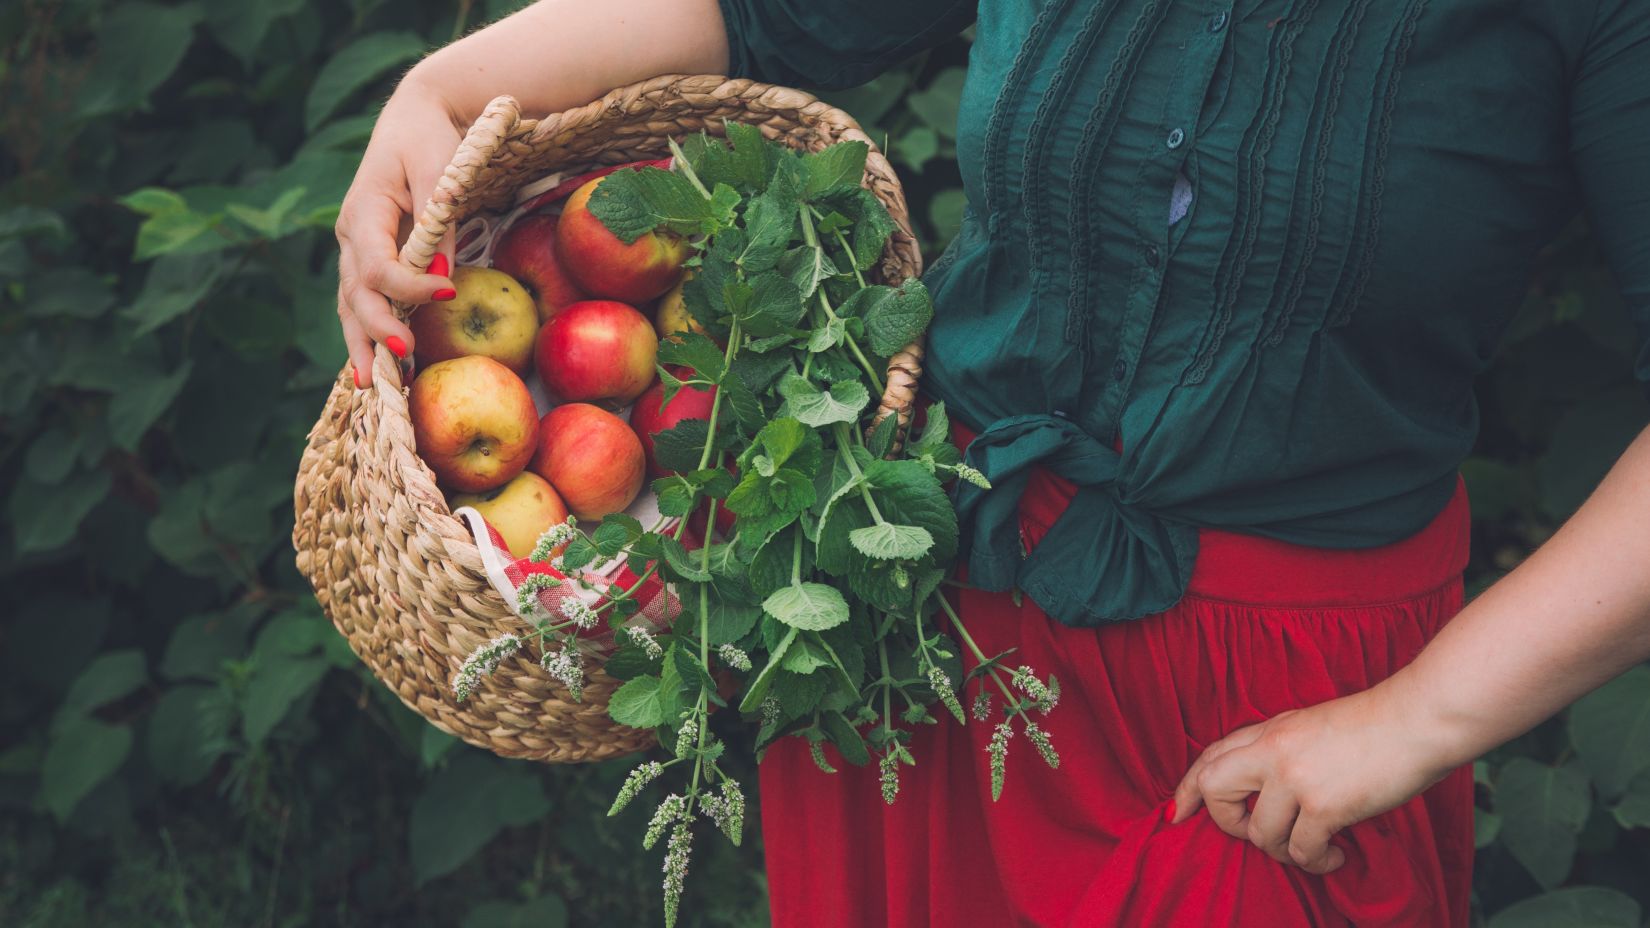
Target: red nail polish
pixel 444 294
pixel 396 346
pixel 1168 814
pixel 438 266
pixel 357 375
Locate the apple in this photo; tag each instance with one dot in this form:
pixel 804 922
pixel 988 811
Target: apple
pixel 527 252
pixel 591 457
pixel 671 315
pixel 521 510
pixel 473 421
pixel 492 315
pixel 651 416
pixel 603 266
pixel 597 350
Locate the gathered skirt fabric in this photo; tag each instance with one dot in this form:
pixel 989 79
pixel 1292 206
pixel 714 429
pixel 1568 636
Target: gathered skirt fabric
pixel 1265 627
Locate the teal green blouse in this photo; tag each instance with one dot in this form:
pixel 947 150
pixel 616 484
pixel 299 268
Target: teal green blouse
pixel 1371 181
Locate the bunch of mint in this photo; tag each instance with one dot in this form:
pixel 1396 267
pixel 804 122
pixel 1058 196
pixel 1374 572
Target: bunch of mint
pixel 823 604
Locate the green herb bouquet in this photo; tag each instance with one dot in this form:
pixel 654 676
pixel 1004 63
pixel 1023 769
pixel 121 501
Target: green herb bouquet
pixel 824 601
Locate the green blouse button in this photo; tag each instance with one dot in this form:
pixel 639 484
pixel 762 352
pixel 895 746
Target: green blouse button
pixel 1218 21
pixel 1176 138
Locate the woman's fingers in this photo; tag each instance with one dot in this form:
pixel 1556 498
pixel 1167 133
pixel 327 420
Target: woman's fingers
pixel 370 239
pixel 1272 820
pixel 357 340
pixel 1226 784
pixel 1309 846
pixel 1187 797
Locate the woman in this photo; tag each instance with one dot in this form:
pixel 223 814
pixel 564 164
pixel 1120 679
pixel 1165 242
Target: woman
pixel 1225 277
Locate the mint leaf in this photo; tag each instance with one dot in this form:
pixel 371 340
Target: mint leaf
pixel 807 267
pixel 767 305
pixel 812 406
pixel 680 447
pixel 632 203
pixel 690 349
pixel 907 493
pixel 769 226
pixel 881 439
pixel 830 169
pixel 809 606
pixel 764 680
pixel 893 318
pixel 888 542
pixel 640 703
pixel 936 430
pixel 753 157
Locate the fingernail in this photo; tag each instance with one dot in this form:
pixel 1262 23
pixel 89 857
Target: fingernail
pixel 1168 814
pixel 357 375
pixel 444 294
pixel 438 266
pixel 396 346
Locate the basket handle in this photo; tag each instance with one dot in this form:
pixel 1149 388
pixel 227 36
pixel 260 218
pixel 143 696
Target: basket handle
pixel 477 150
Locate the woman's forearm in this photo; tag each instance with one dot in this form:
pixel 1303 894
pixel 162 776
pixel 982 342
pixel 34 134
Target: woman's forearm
pixel 557 54
pixel 1573 615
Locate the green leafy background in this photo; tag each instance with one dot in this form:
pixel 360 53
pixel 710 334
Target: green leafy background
pixel 184 740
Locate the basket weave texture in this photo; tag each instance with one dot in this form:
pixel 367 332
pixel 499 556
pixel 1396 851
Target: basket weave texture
pixel 393 569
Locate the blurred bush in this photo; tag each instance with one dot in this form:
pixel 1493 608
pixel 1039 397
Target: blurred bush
pixel 186 739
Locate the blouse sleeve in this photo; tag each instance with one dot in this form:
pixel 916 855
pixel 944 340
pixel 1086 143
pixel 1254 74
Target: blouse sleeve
pixel 834 44
pixel 1610 142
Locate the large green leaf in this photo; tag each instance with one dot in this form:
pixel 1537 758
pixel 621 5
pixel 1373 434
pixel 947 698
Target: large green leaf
pixel 132 411
pixel 83 753
pixel 1610 729
pixel 45 517
pixel 107 678
pixel 139 45
pixel 465 805
pixel 277 683
pixel 1575 907
pixel 1542 810
pixel 355 66
pixel 808 606
pixel 181 745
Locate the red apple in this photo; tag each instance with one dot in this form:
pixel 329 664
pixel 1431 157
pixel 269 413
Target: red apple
pixel 606 267
pixel 521 510
pixel 591 457
pixel 473 421
pixel 597 350
pixel 650 416
pixel 527 252
pixel 492 315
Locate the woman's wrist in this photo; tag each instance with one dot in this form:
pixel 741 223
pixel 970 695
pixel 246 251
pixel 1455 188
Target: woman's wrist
pixel 1437 734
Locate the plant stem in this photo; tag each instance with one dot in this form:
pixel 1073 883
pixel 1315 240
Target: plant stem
pixel 853 468
pixel 962 631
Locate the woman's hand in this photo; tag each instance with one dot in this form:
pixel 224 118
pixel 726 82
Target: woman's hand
pixel 411 145
pixel 1313 772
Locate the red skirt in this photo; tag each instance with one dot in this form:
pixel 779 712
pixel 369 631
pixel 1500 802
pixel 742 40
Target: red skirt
pixel 1265 627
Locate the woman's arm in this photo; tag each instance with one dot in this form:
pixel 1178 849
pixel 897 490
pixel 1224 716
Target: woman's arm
pixel 1573 615
pixel 551 56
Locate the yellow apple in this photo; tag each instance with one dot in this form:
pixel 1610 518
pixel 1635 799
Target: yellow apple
pixel 521 510
pixel 671 315
pixel 493 315
pixel 473 421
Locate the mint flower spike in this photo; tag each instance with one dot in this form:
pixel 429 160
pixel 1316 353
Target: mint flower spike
pixel 645 639
pixel 554 537
pixel 670 809
pixel 727 810
pixel 982 706
pixel 564 665
pixel 888 776
pixel 677 853
pixel 734 657
pixel 635 783
pixel 1044 695
pixel 998 749
pixel 941 685
pixel 1045 747
pixel 482 662
pixel 972 475
pixel 577 611
pixel 527 595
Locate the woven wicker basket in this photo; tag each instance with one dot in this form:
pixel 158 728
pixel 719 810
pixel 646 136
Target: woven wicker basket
pixel 394 570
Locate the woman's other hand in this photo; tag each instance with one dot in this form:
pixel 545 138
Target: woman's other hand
pixel 413 141
pixel 1312 772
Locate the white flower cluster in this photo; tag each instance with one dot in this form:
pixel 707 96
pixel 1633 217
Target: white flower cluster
pixel 972 475
pixel 565 666
pixel 727 810
pixel 670 809
pixel 888 774
pixel 734 657
pixel 554 537
pixel 982 705
pixel 577 611
pixel 770 711
pixel 481 662
pixel 527 595
pixel 1046 696
pixel 635 783
pixel 1045 747
pixel 998 749
pixel 687 735
pixel 676 869
pixel 941 684
pixel 645 639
